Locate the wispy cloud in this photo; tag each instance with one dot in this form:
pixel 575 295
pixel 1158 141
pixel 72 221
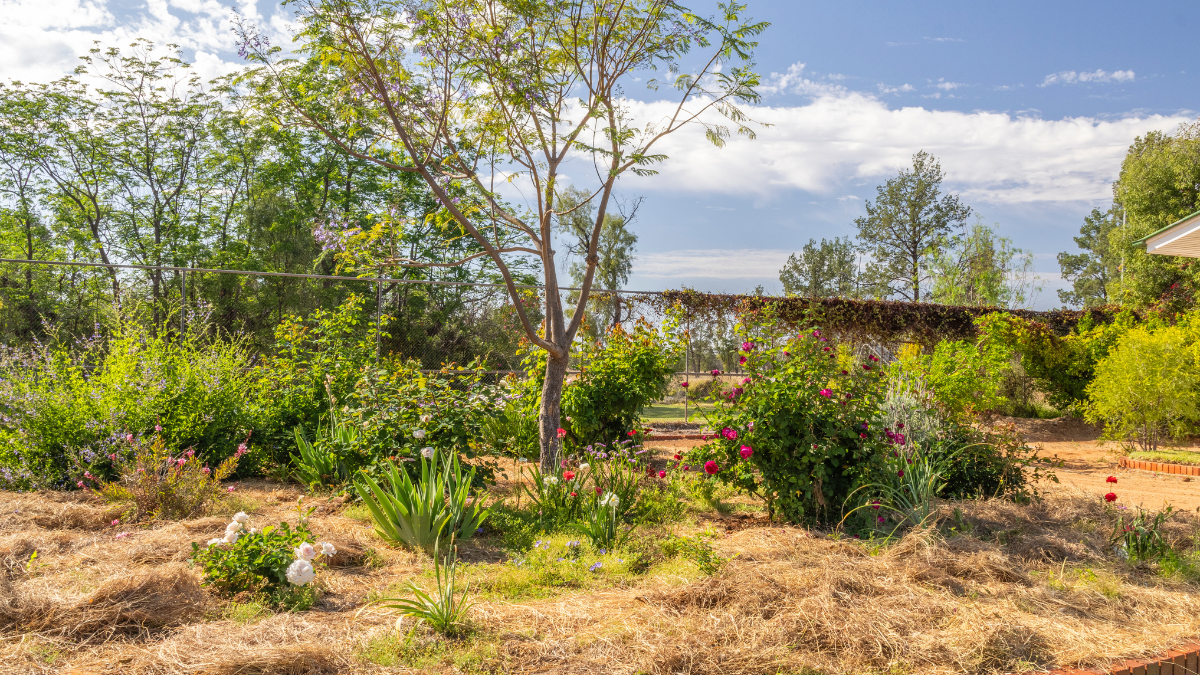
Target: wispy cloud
pixel 1101 76
pixel 794 81
pixel 944 39
pixel 948 86
pixel 885 89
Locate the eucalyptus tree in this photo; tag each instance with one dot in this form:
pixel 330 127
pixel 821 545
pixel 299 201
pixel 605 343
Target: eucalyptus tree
pixel 467 92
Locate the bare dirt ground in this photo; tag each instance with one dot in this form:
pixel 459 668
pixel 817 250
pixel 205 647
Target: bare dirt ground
pixel 1088 461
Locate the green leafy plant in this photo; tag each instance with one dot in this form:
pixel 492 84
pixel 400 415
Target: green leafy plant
pixel 1147 387
pixel 801 430
pixel 69 404
pixel 444 610
pixel 330 460
pixel 1139 538
pixel 911 483
pixel 418 514
pixel 555 498
pixel 155 483
pixel 602 526
pixel 276 562
pixel 698 549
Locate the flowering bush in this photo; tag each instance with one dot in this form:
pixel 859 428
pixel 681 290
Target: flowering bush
pixel 66 405
pixel 811 426
pixel 156 483
pixel 277 562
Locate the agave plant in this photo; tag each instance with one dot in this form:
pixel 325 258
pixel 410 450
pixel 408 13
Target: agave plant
pixel 418 514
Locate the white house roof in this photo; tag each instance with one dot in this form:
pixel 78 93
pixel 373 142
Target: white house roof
pixel 1179 238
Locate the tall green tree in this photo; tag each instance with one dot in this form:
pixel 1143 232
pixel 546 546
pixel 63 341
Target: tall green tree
pixel 1158 185
pixel 462 92
pixel 983 269
pixel 1093 270
pixel 822 270
pixel 909 222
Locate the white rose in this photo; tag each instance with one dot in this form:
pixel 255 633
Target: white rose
pixel 231 537
pixel 426 418
pixel 327 549
pixel 240 517
pixel 306 551
pixel 427 453
pixel 233 527
pixel 585 466
pixel 419 434
pixel 215 540
pixel 300 572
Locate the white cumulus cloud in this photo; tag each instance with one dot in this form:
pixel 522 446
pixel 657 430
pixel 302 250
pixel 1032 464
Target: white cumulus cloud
pixel 846 138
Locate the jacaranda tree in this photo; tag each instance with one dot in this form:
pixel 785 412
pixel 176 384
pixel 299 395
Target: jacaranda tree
pixel 466 93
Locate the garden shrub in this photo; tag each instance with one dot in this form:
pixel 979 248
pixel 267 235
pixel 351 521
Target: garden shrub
pixel 964 376
pixel 798 431
pixel 65 405
pixel 155 483
pixel 314 363
pixel 1147 387
pixel 276 563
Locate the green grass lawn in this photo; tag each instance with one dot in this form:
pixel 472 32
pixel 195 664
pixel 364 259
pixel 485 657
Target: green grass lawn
pixel 1167 455
pixel 673 412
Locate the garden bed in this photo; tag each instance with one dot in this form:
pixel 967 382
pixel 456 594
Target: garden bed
pixel 996 587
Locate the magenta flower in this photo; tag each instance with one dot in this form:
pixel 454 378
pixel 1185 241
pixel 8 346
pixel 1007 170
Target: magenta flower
pixel 900 473
pixel 716 372
pixel 747 346
pixel 826 393
pixel 129 438
pixel 662 474
pixel 746 451
pixel 879 519
pixel 562 432
pixel 816 333
pixel 684 385
pixel 158 427
pixel 729 434
pixel 711 468
pixel 745 380
pixel 741 360
pixel 79 484
pixel 875 504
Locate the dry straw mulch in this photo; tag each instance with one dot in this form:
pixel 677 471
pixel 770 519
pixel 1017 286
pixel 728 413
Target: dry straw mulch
pixel 1012 587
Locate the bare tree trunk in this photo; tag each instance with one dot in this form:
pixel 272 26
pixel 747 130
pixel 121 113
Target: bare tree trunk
pixel 550 413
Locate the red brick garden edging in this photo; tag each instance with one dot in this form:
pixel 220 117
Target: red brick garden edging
pixel 1160 467
pixel 1182 661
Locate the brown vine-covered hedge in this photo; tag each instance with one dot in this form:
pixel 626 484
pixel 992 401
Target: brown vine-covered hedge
pixel 873 320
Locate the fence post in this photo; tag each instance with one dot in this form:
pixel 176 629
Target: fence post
pixel 687 349
pixel 378 315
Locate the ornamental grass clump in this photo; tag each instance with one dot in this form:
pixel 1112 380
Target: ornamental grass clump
pixel 156 483
pixel 444 610
pixel 278 562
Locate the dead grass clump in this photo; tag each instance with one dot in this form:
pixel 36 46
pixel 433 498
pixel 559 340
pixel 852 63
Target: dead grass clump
pixel 159 598
pixel 349 553
pixel 75 517
pixel 302 659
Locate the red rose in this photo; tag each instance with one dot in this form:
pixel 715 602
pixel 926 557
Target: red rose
pixel 568 475
pixel 1110 497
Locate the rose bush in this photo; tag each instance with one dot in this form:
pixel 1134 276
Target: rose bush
pixel 803 432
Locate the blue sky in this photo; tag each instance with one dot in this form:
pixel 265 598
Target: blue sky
pixel 1029 106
